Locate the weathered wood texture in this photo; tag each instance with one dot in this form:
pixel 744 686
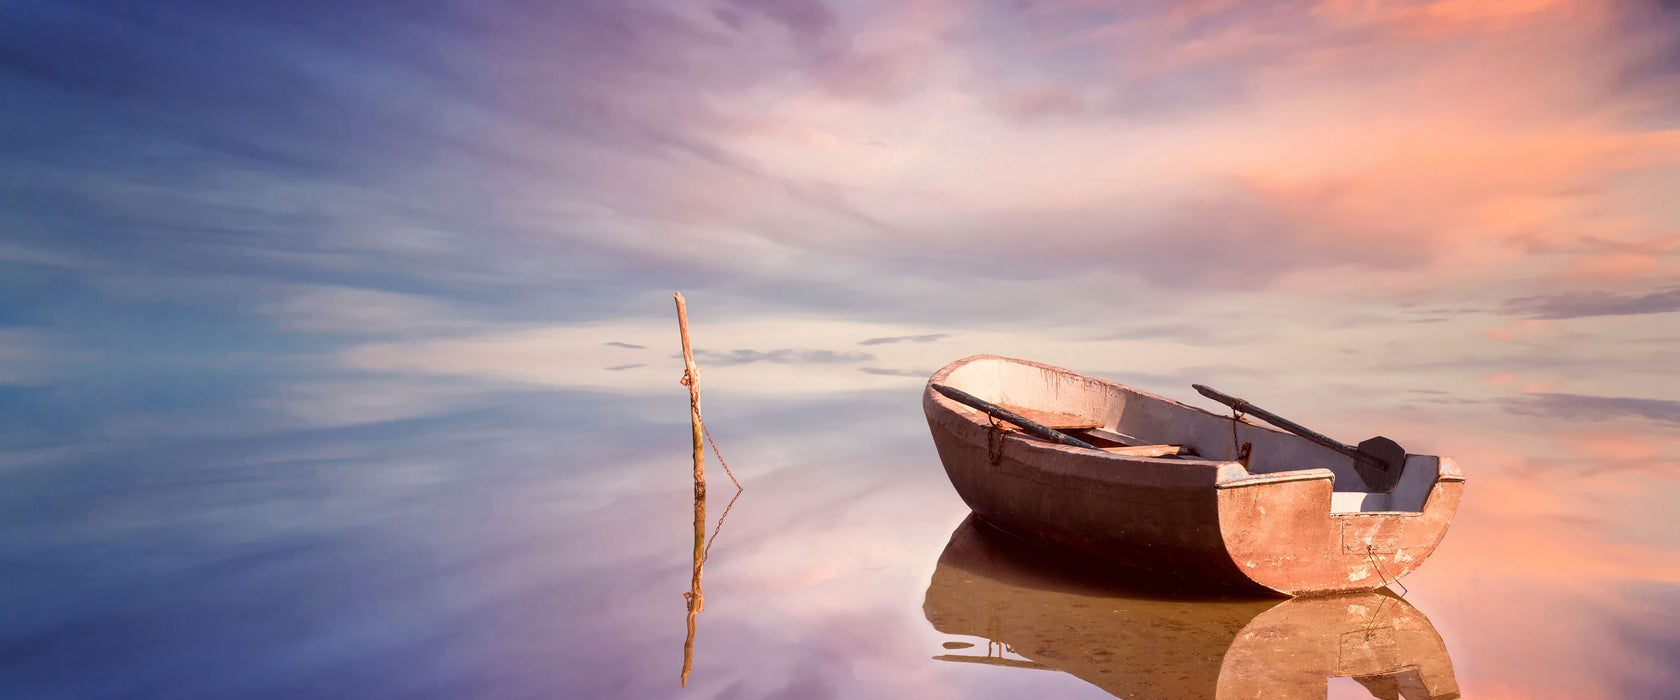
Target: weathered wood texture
pixel 1268 524
pixel 691 379
pixel 1149 450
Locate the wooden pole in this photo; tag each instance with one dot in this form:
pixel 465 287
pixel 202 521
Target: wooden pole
pixel 691 378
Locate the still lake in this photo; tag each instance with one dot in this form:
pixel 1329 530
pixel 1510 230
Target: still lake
pixel 338 358
pixel 322 532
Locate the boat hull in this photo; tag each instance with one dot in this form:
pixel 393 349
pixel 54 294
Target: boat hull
pixel 1210 520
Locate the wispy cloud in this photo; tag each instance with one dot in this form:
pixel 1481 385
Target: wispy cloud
pixel 895 372
pixel 784 356
pixel 475 168
pixel 928 338
pixel 1183 333
pixel 1584 304
pixel 632 142
pixel 1595 408
pixel 36 356
pixel 350 311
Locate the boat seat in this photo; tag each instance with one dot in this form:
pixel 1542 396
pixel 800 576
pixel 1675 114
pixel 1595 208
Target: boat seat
pixel 1149 450
pixel 1354 501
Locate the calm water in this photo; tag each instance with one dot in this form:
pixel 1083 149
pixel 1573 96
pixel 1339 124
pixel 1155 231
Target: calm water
pixel 220 541
pixel 337 355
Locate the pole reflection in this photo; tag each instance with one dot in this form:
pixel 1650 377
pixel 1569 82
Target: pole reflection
pixel 1137 638
pixel 702 548
pixel 696 598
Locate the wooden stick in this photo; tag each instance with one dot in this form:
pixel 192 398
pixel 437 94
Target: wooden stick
pixel 691 378
pixel 1002 413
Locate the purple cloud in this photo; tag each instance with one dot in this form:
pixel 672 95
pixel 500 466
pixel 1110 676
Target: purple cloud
pixel 1585 304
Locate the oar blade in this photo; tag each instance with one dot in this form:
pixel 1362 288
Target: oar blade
pixel 1389 451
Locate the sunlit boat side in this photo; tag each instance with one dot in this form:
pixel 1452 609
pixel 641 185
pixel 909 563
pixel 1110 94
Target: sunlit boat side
pixel 1289 516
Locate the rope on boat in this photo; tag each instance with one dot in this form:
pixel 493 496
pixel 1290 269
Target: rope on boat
pixel 1236 415
pixel 1239 451
pixel 994 441
pixel 1371 553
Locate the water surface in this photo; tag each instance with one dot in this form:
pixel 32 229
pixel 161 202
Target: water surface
pixel 337 355
pixel 514 543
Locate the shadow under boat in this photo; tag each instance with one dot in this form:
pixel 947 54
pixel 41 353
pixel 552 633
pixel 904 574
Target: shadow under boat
pixel 1135 637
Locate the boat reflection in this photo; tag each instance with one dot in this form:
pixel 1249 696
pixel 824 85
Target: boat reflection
pixel 1134 639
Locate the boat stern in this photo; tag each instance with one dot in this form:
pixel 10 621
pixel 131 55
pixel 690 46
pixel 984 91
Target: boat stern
pixel 1280 529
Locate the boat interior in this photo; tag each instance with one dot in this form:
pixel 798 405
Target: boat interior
pixel 1124 421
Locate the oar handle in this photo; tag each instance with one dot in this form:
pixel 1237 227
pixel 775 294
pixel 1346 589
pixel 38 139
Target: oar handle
pixel 1242 406
pixel 1002 413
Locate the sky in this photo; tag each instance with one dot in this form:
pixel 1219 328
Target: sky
pixel 366 212
pixel 399 187
pixel 1458 220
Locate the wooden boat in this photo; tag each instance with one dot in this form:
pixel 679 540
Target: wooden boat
pixel 1173 488
pixel 1038 611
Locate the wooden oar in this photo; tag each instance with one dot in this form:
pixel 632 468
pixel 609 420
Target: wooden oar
pixel 1378 460
pixel 1002 413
